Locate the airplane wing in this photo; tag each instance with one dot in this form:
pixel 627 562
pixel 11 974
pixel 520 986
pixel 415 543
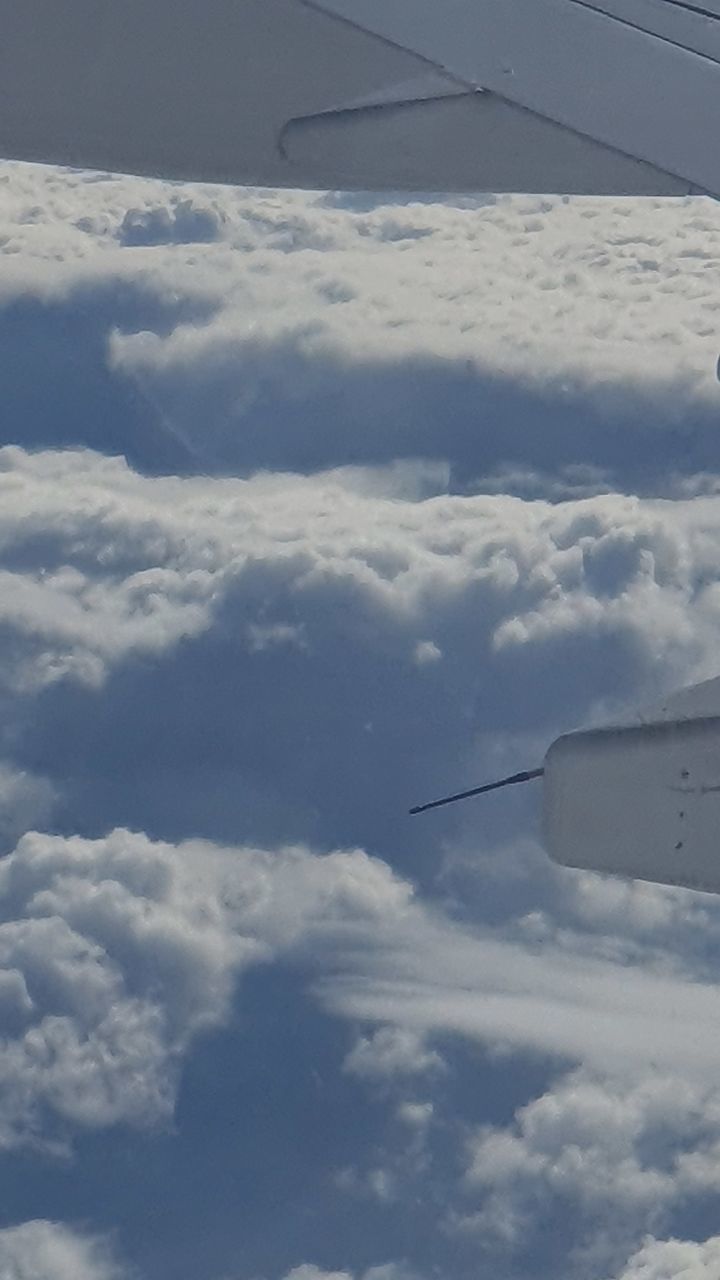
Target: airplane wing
pixel 567 96
pixel 640 801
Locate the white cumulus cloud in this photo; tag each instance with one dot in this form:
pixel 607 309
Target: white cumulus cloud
pixel 115 953
pixel 614 1156
pixel 109 565
pixel 596 289
pixel 240 317
pixel 674 1260
pixel 42 1250
pixel 391 1052
pixel 385 1271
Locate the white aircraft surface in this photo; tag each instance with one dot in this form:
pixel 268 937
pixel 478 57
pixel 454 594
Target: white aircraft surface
pixel 602 97
pixel 593 96
pixel 639 799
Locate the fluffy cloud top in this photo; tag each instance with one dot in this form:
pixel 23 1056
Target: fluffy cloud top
pixel 221 330
pixel 611 1157
pixel 114 954
pixel 589 289
pixel 390 1052
pixel 674 1260
pixel 104 564
pixel 50 1251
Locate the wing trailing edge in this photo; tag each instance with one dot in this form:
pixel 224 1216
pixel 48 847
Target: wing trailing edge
pixel 463 95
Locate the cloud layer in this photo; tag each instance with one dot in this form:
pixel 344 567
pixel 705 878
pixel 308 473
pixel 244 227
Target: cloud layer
pixel 231 330
pixel 312 508
pixel 104 565
pixel 116 953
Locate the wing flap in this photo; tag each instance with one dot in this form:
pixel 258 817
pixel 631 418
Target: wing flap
pixel 461 142
pixel 616 83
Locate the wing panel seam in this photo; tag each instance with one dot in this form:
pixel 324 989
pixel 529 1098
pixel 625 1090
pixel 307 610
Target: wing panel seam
pixel 654 35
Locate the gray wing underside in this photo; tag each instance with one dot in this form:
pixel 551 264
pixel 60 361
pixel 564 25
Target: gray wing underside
pixel 566 96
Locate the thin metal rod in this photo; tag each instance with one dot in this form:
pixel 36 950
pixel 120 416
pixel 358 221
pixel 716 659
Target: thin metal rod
pixel 527 776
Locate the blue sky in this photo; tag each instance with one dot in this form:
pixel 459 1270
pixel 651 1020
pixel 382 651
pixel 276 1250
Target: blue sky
pixel 311 508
